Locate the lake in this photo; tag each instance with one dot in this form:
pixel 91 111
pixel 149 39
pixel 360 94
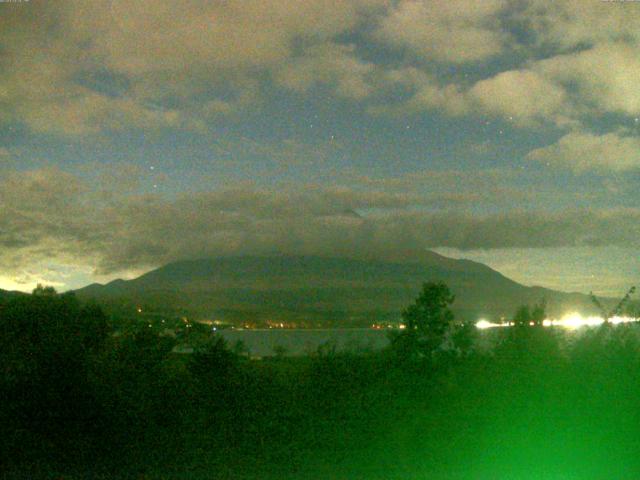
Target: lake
pixel 262 342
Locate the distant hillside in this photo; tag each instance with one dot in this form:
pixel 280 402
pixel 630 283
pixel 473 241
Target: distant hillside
pixel 7 295
pixel 336 291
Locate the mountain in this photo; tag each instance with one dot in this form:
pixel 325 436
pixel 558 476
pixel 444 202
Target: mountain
pixel 6 295
pixel 324 291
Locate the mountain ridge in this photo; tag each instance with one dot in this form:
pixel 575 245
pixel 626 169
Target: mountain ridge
pixel 334 290
pixel 9 294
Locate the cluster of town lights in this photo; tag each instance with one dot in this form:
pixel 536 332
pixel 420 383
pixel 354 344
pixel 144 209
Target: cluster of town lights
pixel 570 321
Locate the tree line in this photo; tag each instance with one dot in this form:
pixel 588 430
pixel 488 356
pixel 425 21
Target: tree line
pixel 82 402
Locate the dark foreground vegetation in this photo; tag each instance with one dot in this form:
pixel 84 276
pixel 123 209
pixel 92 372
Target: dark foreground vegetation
pixel 79 402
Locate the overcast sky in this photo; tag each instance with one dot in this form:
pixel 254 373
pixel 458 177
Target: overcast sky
pixel 134 133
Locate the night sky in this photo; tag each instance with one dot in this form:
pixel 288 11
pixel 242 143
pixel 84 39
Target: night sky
pixel 134 133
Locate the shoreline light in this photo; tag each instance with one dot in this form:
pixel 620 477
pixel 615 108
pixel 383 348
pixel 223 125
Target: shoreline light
pixel 484 324
pixel 570 321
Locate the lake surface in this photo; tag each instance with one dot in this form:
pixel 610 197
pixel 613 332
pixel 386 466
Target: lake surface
pixel 265 342
pixel 300 342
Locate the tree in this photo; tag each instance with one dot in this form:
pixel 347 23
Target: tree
pixel 48 343
pixel 214 368
pixel 464 336
pixel 427 320
pixel 212 357
pixel 617 310
pixel 522 317
pixel 279 351
pixel 526 315
pixel 539 313
pixel 42 291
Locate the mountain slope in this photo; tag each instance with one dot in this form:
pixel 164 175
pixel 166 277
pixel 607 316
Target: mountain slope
pixel 336 291
pixel 6 295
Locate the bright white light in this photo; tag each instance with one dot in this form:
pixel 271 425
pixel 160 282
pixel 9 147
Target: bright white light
pixel 617 320
pixel 575 320
pixel 483 324
pixel 571 321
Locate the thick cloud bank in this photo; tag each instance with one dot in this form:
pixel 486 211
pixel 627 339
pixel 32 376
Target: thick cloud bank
pixel 50 214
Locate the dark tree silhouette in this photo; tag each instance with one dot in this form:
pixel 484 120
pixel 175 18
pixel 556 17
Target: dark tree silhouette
pixel 463 337
pixel 42 291
pixel 47 345
pixel 212 358
pixel 539 312
pixel 522 317
pixel 526 315
pixel 617 310
pixel 426 321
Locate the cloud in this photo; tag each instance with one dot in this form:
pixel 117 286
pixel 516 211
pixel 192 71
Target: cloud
pixel 567 89
pixel 331 64
pixel 526 98
pixel 447 31
pixel 151 35
pixel 56 217
pixel 580 61
pixel 115 65
pixel 423 91
pixel 567 24
pixel 603 78
pixel 583 151
pixel 521 95
pixel 160 232
pixel 477 190
pixel 60 59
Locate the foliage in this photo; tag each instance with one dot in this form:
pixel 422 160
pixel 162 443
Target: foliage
pixel 212 358
pixel 427 321
pixel 464 337
pixel 522 316
pixel 79 402
pixel 48 343
pixel 526 315
pixel 615 311
pixel 539 313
